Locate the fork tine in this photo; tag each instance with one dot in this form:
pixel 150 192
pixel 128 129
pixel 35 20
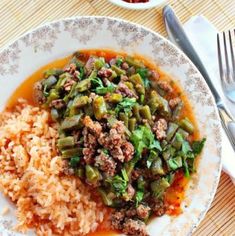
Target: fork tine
pixel 220 58
pixel 226 58
pixel 232 54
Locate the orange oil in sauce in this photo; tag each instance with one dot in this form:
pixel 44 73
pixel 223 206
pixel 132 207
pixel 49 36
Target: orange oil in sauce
pixel 174 194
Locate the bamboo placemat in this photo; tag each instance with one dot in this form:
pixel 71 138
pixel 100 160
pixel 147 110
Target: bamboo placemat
pixel 17 17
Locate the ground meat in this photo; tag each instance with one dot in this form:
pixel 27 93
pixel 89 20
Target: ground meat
pixel 66 168
pixel 135 174
pixel 92 96
pixel 117 219
pixel 115 138
pixel 164 85
pixel 76 75
pixel 89 139
pixel 58 103
pixel 120 127
pixel 125 91
pixel 105 163
pixel 158 207
pixel 134 227
pixel 115 141
pixel 160 128
pixel 77 135
pixel 93 126
pixel 68 85
pixel 73 71
pixel 131 212
pixel 68 171
pixel 125 66
pixel 71 68
pixel 90 145
pixel 130 191
pixel 88 155
pixel 117 153
pixel 174 102
pixel 113 61
pixel 124 78
pixel 143 211
pixel 131 70
pixel 38 94
pixel 128 151
pixel 104 140
pixel 155 74
pixel 105 72
pixel 89 66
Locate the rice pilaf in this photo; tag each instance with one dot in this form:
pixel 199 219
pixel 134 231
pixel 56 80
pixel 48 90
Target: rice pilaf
pixel 31 175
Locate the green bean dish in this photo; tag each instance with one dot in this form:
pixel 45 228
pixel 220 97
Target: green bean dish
pixel 126 130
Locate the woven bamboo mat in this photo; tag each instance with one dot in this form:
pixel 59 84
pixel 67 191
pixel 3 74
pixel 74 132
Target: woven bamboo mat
pixel 17 17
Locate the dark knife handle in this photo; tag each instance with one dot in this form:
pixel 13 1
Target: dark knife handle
pixel 177 35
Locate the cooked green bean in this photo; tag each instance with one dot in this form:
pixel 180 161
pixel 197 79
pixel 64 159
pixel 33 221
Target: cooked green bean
pixel 53 95
pixel 71 122
pixel 175 163
pixel 62 79
pixel 72 93
pixel 145 112
pixel 99 107
pixel 68 153
pixel 106 199
pixel 114 98
pixel 80 101
pixel 141 183
pixel 132 124
pixel 136 112
pixel 118 70
pixel 134 62
pixel 129 85
pixel 50 81
pixel 172 128
pixel 92 174
pixel 123 117
pixel 159 186
pixel 55 72
pixel 99 63
pixel 138 82
pixel 80 172
pixel 83 85
pixel 177 111
pixel 54 114
pixel 177 141
pixel 183 133
pixel 78 63
pixel 157 167
pixel 92 76
pixel 187 125
pixel 66 142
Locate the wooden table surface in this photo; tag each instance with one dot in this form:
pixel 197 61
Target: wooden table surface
pixel 19 16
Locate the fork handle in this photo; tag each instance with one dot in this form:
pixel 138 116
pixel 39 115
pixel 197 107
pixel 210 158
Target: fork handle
pixel 228 124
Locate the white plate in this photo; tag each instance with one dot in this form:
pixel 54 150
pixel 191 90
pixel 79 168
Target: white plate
pixel 55 40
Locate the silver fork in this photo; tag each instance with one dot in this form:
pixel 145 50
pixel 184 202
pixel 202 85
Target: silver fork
pixel 227 62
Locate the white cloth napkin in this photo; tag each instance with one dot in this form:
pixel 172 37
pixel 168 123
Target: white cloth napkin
pixel 202 35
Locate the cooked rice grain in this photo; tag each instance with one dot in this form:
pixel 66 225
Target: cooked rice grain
pixel 31 175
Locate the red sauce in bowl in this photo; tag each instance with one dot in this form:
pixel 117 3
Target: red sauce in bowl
pixel 136 1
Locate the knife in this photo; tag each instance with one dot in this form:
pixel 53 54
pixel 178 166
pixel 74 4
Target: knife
pixel 177 35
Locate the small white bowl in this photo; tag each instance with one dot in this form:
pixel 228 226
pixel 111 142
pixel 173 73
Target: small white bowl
pixel 137 6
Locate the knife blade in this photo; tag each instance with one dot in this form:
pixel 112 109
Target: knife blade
pixel 178 36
